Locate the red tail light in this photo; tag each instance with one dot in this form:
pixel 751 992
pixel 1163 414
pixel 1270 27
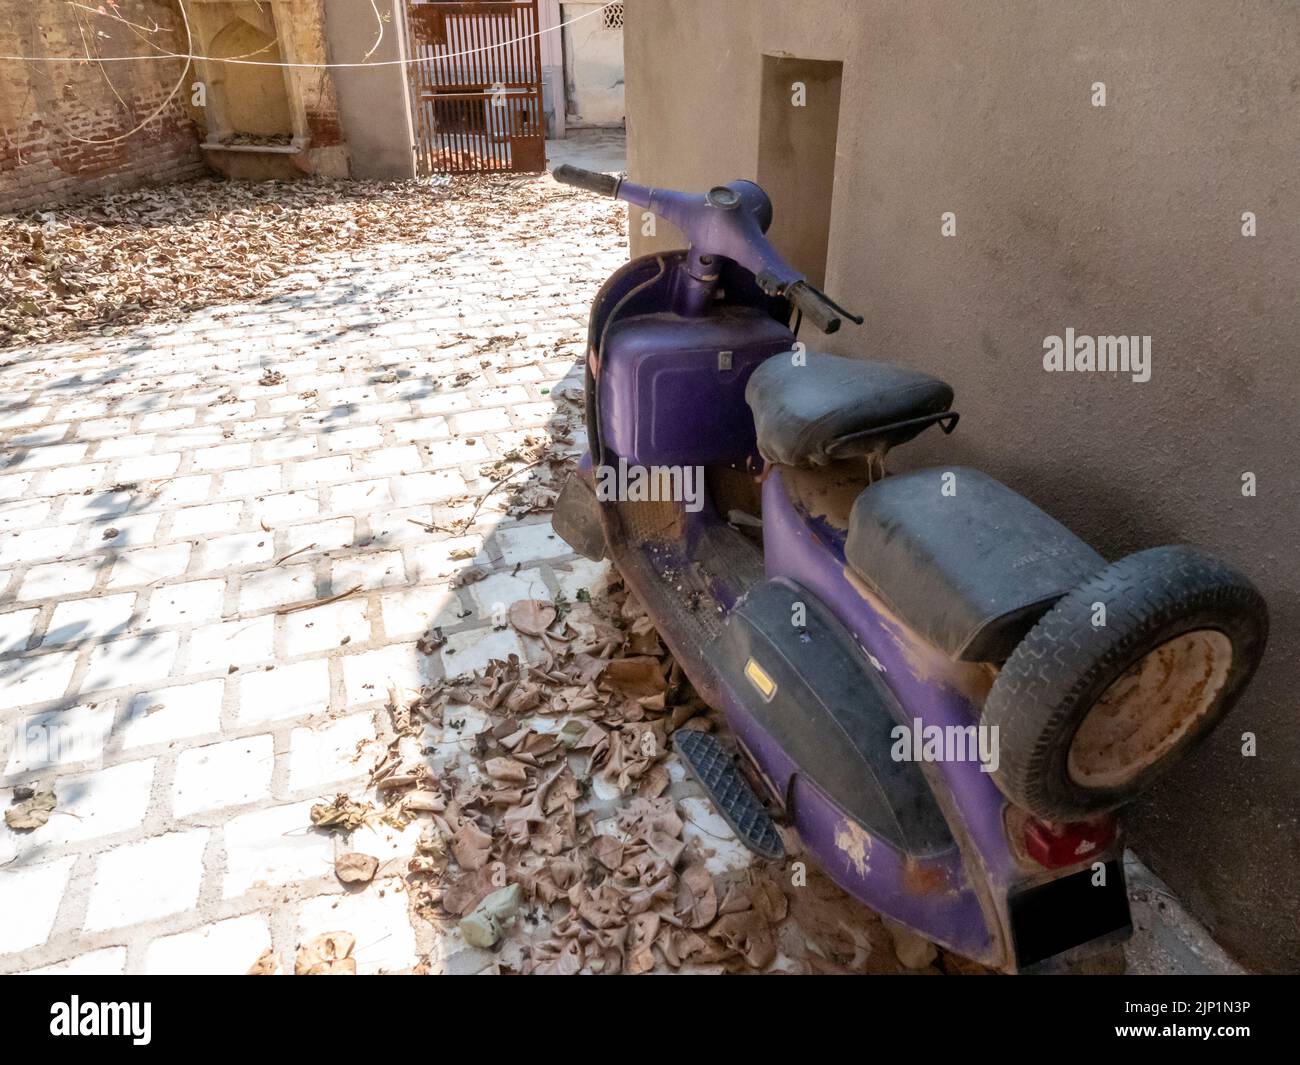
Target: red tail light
pixel 1056 845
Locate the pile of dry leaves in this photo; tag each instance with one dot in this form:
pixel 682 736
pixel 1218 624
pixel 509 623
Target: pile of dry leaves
pixel 516 836
pixel 550 831
pixel 548 457
pixel 156 254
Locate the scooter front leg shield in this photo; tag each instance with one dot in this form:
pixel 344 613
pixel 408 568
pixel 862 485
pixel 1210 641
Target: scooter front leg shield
pixel 577 517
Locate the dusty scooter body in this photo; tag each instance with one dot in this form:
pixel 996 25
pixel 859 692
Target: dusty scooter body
pixel 850 625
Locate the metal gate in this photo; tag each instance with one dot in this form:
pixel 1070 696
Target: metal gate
pixel 476 73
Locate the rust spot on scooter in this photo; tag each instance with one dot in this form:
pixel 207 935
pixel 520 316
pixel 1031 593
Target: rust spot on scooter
pixel 925 878
pixel 827 492
pixel 972 680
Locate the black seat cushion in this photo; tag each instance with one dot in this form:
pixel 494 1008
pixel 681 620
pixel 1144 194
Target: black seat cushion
pixel 971 571
pixel 800 410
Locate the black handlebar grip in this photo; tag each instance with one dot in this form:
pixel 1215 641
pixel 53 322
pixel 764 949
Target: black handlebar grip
pixel 815 307
pixel 591 180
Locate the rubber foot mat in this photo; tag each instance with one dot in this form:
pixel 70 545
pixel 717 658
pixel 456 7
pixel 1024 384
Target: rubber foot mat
pixel 715 768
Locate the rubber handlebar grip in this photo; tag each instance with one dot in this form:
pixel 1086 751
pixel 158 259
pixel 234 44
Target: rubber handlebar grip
pixel 815 307
pixel 591 180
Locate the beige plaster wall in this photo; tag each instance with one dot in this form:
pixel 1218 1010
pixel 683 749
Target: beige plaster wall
pixel 1123 219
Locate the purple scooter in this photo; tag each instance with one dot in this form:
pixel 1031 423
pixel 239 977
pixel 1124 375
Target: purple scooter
pixel 942 690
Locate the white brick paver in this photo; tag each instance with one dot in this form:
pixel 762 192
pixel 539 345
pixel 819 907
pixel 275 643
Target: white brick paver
pixel 166 522
pixel 34 892
pixel 140 881
pixel 222 948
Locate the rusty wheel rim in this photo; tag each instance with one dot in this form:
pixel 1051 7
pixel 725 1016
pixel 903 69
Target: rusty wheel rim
pixel 1145 712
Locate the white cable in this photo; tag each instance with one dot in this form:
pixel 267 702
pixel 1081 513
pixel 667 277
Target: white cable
pixel 189 40
pixel 306 66
pixel 374 6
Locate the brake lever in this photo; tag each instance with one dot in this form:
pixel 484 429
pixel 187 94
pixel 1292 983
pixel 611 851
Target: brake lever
pixel 856 319
pixel 771 285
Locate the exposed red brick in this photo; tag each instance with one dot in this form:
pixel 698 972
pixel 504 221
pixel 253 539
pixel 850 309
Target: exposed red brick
pixel 50 111
pixel 325 130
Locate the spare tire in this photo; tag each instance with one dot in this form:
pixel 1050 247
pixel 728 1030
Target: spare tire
pixel 1090 714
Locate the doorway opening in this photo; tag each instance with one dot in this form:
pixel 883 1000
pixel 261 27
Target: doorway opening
pixel 799 118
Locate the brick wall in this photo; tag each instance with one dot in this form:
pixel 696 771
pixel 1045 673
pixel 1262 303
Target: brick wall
pixel 305 20
pixel 298 28
pixel 45 107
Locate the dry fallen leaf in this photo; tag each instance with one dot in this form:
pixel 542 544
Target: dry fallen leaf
pixel 430 641
pixel 748 935
pixel 636 677
pixel 343 813
pixel 643 639
pixel 468 890
pixel 30 810
pixel 532 617
pixel 327 955
pixel 697 901
pixel 506 770
pixel 266 965
pixel 356 868
pixel 471 845
pixel 912 951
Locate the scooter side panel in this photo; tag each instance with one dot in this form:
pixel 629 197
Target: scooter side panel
pixel 930 895
pixel 812 689
pixel 918 676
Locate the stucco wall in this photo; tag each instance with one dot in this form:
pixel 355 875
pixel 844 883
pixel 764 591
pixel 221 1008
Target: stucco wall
pixel 1125 219
pixel 593 67
pixel 374 102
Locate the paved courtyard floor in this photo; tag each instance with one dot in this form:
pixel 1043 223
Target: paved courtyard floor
pixel 173 501
pixel 222 540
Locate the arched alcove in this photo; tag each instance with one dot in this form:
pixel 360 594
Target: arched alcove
pixel 254 98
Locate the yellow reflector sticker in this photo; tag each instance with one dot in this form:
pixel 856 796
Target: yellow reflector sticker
pixel 759 679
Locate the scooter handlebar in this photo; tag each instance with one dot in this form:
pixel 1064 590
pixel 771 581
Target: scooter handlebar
pixel 590 180
pixel 729 221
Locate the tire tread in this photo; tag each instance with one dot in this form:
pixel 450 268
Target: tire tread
pixel 1064 658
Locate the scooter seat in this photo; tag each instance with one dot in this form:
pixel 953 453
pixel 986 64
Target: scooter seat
pixel 963 559
pixel 823 407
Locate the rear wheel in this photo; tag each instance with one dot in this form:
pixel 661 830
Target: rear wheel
pixel 1119 679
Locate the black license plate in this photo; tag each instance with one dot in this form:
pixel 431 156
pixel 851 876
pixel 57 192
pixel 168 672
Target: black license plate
pixel 1049 919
